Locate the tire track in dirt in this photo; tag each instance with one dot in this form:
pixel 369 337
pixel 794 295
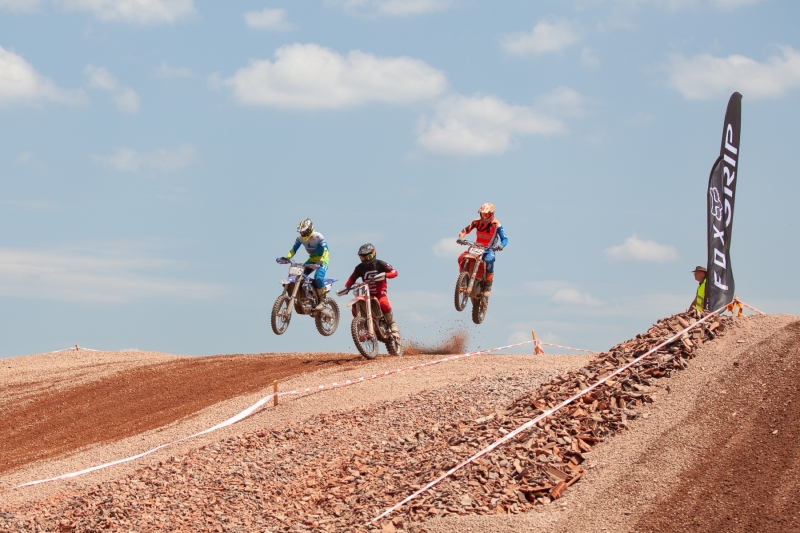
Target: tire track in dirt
pixel 56 422
pixel 749 477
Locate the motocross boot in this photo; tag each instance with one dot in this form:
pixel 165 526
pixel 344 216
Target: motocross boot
pixel 321 297
pixel 487 287
pixel 392 325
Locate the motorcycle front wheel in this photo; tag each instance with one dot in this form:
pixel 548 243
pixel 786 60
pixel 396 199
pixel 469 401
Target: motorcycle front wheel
pixel 366 344
pixel 461 296
pixel 479 306
pixel 281 315
pixel 328 319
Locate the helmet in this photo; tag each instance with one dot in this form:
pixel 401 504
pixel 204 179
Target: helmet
pixel 305 228
pixel 367 252
pixel 486 211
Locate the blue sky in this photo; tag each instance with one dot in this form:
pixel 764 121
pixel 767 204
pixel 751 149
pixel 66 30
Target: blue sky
pixel 157 155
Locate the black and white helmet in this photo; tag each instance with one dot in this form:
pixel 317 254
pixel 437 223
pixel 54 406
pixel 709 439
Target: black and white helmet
pixel 305 228
pixel 367 252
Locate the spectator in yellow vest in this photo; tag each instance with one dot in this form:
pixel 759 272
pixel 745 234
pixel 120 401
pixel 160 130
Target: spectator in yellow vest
pixel 700 277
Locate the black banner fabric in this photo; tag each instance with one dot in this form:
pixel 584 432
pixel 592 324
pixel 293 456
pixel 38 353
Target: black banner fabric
pixel 721 193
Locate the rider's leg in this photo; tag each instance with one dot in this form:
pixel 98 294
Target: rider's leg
pixel 319 285
pixel 386 307
pixel 488 258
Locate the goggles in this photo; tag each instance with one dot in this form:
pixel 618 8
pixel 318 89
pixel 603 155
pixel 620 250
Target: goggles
pixel 367 257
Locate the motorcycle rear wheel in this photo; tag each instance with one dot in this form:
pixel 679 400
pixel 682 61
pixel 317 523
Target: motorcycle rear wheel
pixel 326 326
pixel 479 307
pixel 281 315
pixel 366 344
pixel 394 347
pixel 461 296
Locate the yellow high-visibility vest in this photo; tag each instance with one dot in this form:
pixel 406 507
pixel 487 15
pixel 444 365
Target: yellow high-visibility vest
pixel 701 296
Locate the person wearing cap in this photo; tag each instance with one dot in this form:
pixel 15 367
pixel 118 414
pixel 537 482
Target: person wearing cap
pixel 700 277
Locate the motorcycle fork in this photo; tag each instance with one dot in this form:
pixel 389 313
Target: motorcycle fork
pixel 472 276
pixel 368 305
pixel 294 295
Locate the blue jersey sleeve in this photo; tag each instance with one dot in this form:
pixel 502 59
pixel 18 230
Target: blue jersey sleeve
pixel 502 234
pixel 296 245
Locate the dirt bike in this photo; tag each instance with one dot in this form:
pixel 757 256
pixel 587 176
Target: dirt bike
pixel 471 280
pixel 303 301
pixel 369 324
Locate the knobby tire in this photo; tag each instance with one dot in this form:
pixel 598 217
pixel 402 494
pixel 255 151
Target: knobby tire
pixel 358 328
pixel 333 307
pixel 460 297
pixel 280 324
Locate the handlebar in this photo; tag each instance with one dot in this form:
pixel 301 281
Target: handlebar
pixel 284 261
pixel 475 244
pixel 353 286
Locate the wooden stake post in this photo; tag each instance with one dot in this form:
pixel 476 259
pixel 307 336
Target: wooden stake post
pixel 275 391
pixel 537 347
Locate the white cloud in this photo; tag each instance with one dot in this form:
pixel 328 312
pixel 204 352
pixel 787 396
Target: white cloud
pixel 391 7
pixel 552 35
pixel 589 58
pixel 268 19
pixel 480 125
pixel 127 99
pixel 20 5
pixel 563 102
pixel 730 5
pixel 569 295
pixel 636 249
pixel 562 292
pixel 106 274
pixel 167 71
pixel 308 76
pixel 447 248
pixel 140 12
pixel 19 82
pixel 128 159
pixel 706 76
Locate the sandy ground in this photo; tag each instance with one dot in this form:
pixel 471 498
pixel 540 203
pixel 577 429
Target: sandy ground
pixel 290 410
pixel 631 476
pixel 703 457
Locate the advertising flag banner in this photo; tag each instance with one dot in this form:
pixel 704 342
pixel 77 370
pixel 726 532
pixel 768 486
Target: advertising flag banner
pixel 721 194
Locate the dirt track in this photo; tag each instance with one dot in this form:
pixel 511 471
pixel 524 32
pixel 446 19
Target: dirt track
pixel 61 419
pixel 688 464
pixel 749 477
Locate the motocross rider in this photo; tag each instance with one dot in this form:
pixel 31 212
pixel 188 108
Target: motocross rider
pixel 369 268
pixel 317 249
pixel 489 233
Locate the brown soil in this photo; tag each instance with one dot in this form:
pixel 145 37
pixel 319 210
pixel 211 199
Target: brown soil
pixel 749 477
pixel 53 421
pixel 454 343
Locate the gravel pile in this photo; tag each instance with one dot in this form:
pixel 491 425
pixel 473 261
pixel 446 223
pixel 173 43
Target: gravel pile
pixel 336 472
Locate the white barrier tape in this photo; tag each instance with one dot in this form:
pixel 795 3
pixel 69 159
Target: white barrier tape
pixel 250 410
pixel 390 372
pixel 752 308
pixel 72 349
pixel 527 425
pixel 567 347
pixel 232 420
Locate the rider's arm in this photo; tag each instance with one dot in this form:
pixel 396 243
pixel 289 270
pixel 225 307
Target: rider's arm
pixel 502 234
pixel 466 230
pixel 352 279
pixel 293 250
pixel 391 273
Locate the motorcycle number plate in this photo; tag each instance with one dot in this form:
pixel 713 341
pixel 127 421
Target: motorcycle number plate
pixel 361 291
pixel 476 252
pixel 295 270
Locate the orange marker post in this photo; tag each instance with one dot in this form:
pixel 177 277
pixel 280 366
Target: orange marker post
pixel 537 344
pixel 275 391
